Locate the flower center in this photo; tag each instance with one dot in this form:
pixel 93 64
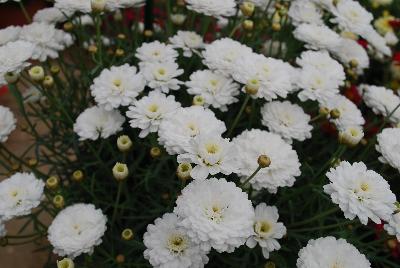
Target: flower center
pixel 215 213
pixel 77 229
pixel 117 82
pixel 212 148
pixel 193 129
pixel 262 228
pixel 364 187
pixel 153 108
pixel 177 243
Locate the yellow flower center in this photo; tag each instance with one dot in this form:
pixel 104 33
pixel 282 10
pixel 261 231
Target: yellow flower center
pixel 177 243
pixel 212 148
pixel 262 228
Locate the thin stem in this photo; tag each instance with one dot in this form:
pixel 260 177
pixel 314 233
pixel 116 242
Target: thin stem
pixel 251 177
pixel 237 27
pixel 114 216
pixel 239 115
pixel 98 39
pixel 24 11
pixel 315 218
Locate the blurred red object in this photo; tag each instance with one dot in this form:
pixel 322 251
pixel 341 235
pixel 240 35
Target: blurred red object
pixel 3 90
pixel 352 94
pixel 395 23
pixel 396 57
pixel 11 14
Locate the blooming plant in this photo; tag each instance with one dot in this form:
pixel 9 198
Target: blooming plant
pixel 199 133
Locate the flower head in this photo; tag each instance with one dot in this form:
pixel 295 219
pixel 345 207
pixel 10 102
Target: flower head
pixel 389 146
pixel 214 8
pixel 188 41
pixel 7 123
pixel 162 76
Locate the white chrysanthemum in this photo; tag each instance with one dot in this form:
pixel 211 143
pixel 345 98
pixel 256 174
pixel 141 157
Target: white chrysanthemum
pixel 148 112
pixel 216 89
pixel 275 77
pixel 377 41
pixel 211 154
pixel 305 11
pixel 267 229
pixel 77 229
pixel 7 123
pixel 117 86
pixel 47 39
pixel 178 128
pixel 97 122
pixel 331 252
pixel 284 167
pixel 311 35
pixel 50 15
pixel 215 213
pixel 389 146
pixel 168 245
pixel 350 115
pixel 221 54
pixel 14 58
pixel 214 8
pixel 19 194
pixel 162 76
pixel 352 17
pixel 3 231
pixel 349 50
pixel 360 192
pixel 156 52
pixel 287 120
pixel 113 5
pixel 84 20
pixel 391 38
pixel 382 101
pixel 188 41
pixel 9 34
pixel 393 226
pixel 71 6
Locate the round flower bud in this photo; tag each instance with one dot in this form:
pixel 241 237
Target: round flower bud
pixel 276 26
pixel 178 19
pixel 11 78
pixel 198 100
pixel 65 263
pixel 351 136
pixel 118 15
pixel 180 3
pixel 55 69
pixel 148 33
pixel 324 111
pixel 36 73
pixel 155 152
pixel 247 8
pixel 32 162
pixel 119 52
pixel 354 63
pixel 183 171
pixel 92 49
pixel 120 171
pixel 120 259
pixel 335 113
pixel 364 142
pixel 15 167
pixel 269 264
pixel 124 143
pixel 248 25
pixel 264 161
pixel 121 36
pixel 127 234
pixel 252 86
pixel 48 81
pixel 68 26
pixel 392 243
pixel 98 5
pixel 58 201
pixel 77 176
pixel 52 183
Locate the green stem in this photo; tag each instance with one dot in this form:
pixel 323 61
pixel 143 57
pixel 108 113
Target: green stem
pixel 24 11
pixel 251 177
pixel 237 27
pixel 239 115
pixel 98 39
pixel 114 216
pixel 315 218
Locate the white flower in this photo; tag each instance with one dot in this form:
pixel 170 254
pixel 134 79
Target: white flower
pixel 113 5
pixel 287 120
pixel 382 101
pixel 221 54
pixel 350 115
pixel 117 86
pixel 178 128
pixel 360 192
pixel 71 6
pixel 77 229
pixel 267 229
pixel 9 34
pixel 351 16
pixel 84 20
pixel 162 76
pixel 351 135
pixel 377 41
pixel 216 89
pixel 284 167
pixel 349 50
pixel 214 8
pixel 156 52
pixel 393 227
pixel 97 122
pixel 305 11
pixel 7 123
pixel 212 155
pixel 19 194
pixel 331 252
pixel 188 41
pixel 47 39
pixel 391 38
pixel 50 15
pixel 276 78
pixel 215 213
pixel 148 112
pixel 389 146
pixel 311 35
pixel 168 245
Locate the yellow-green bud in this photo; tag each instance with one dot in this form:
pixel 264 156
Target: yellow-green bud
pixel 180 3
pixel 252 86
pixel 124 143
pixel 68 26
pixel 32 162
pixel 247 8
pixel 52 183
pixel 58 201
pixel 127 234
pixel 276 26
pixel 248 25
pixel 119 52
pixel 155 152
pixel 269 264
pixel 118 15
pixel 48 81
pixel 92 49
pixel 120 171
pixel 183 171
pixel 77 176
pixel 98 5
pixel 11 78
pixel 264 161
pixel 324 111
pixel 120 259
pixel 335 113
pixel 65 263
pixel 354 63
pixel 178 19
pixel 198 100
pixel 36 73
pixel 54 69
pixel 121 36
pixel 148 33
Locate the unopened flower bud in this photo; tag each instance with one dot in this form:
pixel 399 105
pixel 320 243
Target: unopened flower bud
pixel 52 183
pixel 180 3
pixel 58 201
pixel 269 264
pixel 276 26
pixel 127 234
pixel 183 171
pixel 155 152
pixel 32 162
pixel 363 142
pixel 354 63
pixel 392 243
pixel 77 176
pixel 54 69
pixel 124 143
pixel 120 171
pixel 11 77
pixel 68 26
pixel 178 19
pixel 335 113
pixel 351 136
pixel 98 5
pixel 118 15
pixel 121 36
pixel 36 73
pixel 48 81
pixel 247 8
pixel 119 52
pixel 148 33
pixel 65 263
pixel 252 86
pixel 92 49
pixel 120 259
pixel 248 25
pixel 324 111
pixel 264 161
pixel 198 100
